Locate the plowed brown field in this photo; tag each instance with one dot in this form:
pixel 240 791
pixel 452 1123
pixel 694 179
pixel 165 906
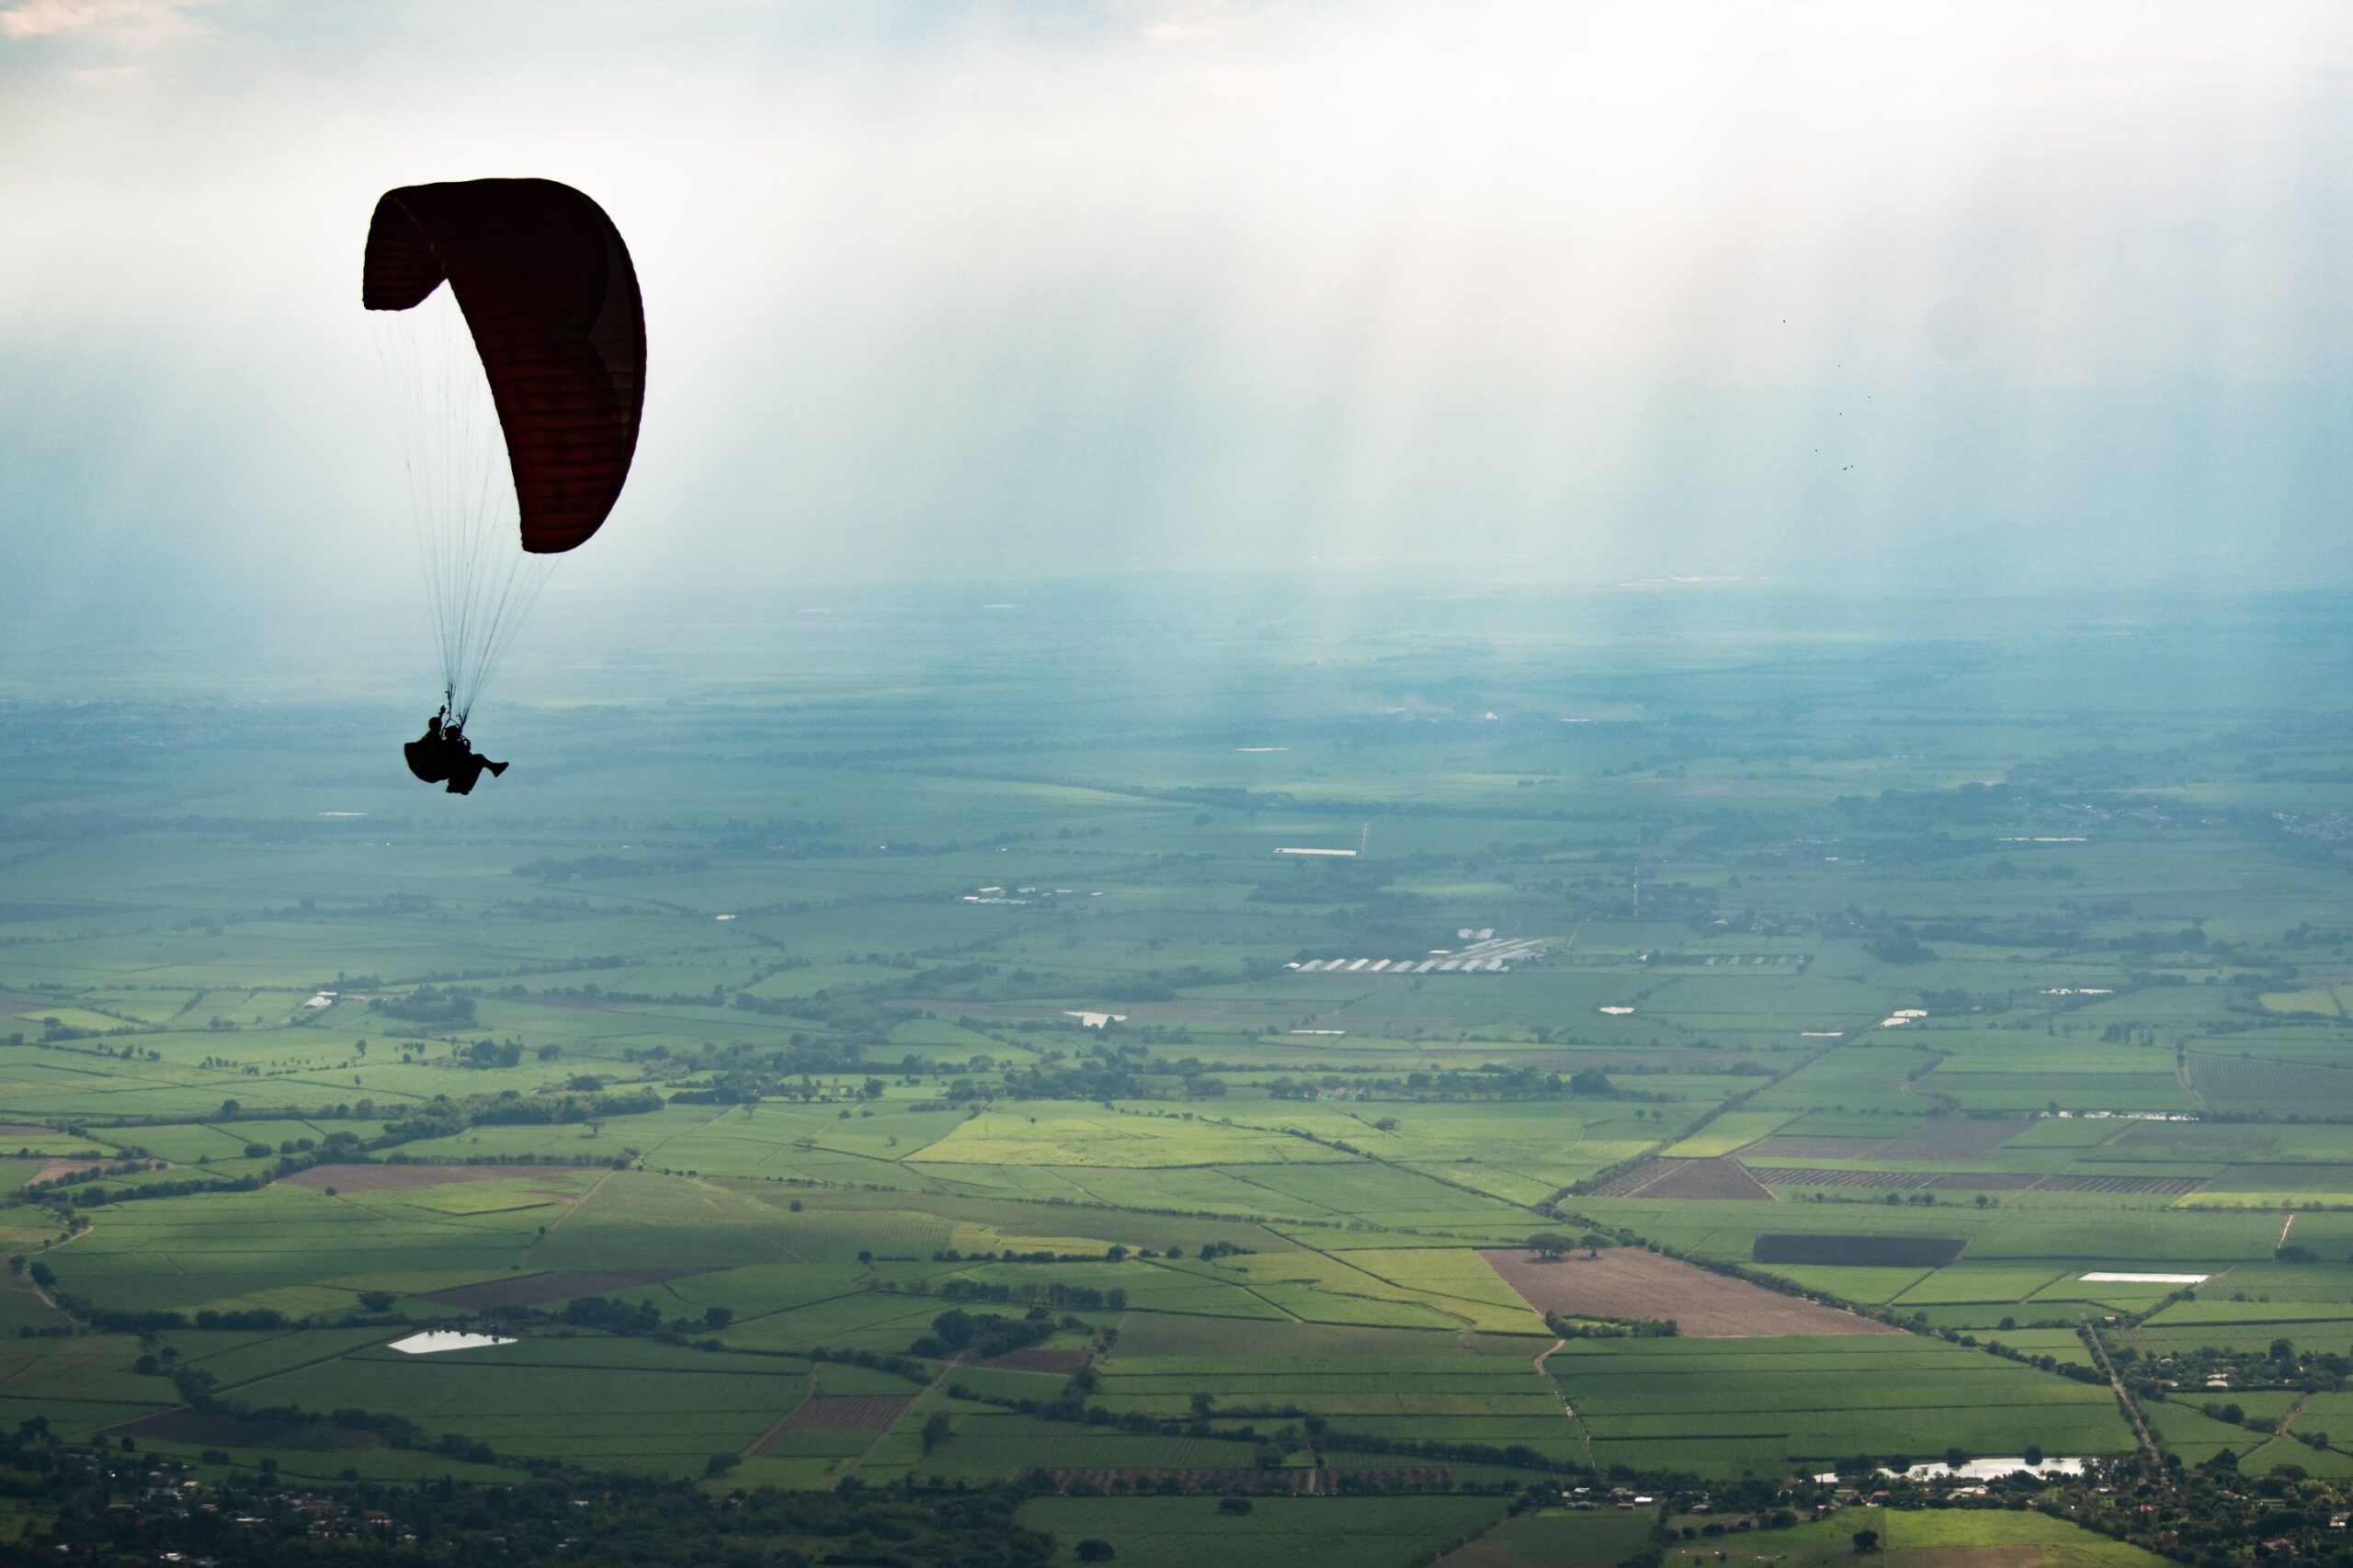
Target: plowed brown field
pixel 1627 1282
pixel 848 1411
pixel 558 1285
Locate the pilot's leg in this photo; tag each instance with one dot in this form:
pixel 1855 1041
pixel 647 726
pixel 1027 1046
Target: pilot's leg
pixel 425 761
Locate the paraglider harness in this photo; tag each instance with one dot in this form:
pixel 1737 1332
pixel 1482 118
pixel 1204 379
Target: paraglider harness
pixel 443 754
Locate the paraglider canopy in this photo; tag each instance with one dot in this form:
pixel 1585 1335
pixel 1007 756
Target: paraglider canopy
pixel 534 352
pixel 550 299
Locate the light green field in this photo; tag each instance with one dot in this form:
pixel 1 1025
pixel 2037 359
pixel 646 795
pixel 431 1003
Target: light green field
pixel 1908 1536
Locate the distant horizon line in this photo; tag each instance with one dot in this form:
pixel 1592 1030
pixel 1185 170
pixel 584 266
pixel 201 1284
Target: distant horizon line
pixel 1527 573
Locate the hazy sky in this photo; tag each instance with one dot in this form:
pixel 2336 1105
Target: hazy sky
pixel 1614 290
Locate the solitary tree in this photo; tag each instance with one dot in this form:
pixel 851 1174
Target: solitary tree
pixel 1550 1245
pixel 1866 1543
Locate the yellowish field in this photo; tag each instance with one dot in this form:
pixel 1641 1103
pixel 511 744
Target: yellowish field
pixel 1059 1137
pixel 1733 1129
pixel 1454 1283
pixel 2320 999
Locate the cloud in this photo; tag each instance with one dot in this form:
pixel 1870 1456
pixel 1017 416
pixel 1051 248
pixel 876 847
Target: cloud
pixel 37 18
pixel 1193 22
pixel 131 23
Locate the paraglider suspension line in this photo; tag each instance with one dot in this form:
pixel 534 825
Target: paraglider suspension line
pixel 480 585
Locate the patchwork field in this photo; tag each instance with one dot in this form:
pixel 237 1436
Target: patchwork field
pixel 898 1076
pixel 1630 1283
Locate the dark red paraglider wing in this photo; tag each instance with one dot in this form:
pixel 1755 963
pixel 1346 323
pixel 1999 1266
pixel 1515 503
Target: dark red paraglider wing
pixel 548 293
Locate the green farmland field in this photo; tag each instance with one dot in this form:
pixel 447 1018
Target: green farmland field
pixel 925 1079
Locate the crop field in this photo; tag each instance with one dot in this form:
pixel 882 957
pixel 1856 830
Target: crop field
pixel 918 1086
pixel 847 1412
pixel 1555 1538
pixel 1627 1283
pixel 1858 1251
pixel 1729 1406
pixel 1928 1539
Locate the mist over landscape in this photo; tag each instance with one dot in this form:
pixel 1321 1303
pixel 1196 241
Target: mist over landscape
pixel 1281 784
pixel 1836 293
